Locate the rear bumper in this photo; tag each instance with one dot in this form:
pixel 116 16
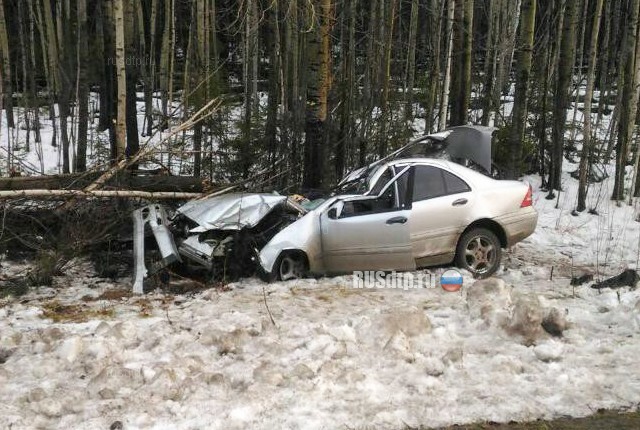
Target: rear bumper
pixel 519 225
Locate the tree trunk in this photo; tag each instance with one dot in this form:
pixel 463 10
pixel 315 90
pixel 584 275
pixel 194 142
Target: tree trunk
pixel 383 137
pixel 166 59
pixel 527 26
pixel 65 66
pixel 437 11
pixel 370 82
pixel 587 141
pixel 490 60
pixel 465 84
pixel 345 139
pixel 32 78
pixel 83 89
pixel 132 74
pixel 444 100
pixel 150 78
pixel 129 180
pixel 562 94
pixel 121 121
pixel 457 63
pixel 628 104
pixel 275 68
pixel 319 84
pixel 108 88
pixel 7 84
pixel 410 69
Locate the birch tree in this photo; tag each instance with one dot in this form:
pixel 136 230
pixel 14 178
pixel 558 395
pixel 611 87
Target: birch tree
pixel 121 121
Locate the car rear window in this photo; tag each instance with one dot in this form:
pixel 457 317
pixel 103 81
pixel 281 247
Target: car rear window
pixel 453 184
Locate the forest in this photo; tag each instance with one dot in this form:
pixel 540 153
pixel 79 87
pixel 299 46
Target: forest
pixel 310 89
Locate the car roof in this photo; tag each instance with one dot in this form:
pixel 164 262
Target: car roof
pixel 466 173
pixel 427 161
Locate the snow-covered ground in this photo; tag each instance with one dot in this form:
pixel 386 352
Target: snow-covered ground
pixel 337 357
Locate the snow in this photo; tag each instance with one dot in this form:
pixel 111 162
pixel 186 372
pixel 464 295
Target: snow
pixel 339 356
pixel 602 244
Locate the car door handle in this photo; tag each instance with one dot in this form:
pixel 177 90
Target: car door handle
pixel 460 202
pixel 397 220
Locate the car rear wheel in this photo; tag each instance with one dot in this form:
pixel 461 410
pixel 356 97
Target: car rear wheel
pixel 479 252
pixel 291 265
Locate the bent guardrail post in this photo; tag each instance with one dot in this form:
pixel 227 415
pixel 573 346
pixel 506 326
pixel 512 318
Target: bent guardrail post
pixel 156 217
pixel 138 251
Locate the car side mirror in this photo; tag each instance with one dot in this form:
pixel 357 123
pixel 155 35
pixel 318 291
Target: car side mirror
pixel 333 213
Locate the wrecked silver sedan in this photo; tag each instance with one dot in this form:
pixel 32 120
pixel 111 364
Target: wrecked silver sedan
pixel 399 213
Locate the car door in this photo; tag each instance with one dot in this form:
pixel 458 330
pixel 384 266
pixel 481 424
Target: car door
pixel 441 203
pixel 368 233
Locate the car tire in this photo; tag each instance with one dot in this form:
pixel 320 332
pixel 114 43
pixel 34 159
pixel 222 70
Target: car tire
pixel 479 251
pixel 290 266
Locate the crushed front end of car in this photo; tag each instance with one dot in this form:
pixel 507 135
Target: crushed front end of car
pixel 221 235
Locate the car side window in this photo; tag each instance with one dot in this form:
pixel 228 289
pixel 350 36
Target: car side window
pixel 384 203
pixel 428 183
pixel 403 188
pixel 431 182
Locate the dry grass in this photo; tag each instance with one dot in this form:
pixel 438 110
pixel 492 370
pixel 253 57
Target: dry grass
pixel 59 312
pixel 116 294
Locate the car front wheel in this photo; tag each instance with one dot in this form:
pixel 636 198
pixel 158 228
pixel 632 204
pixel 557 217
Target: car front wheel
pixel 479 252
pixel 291 265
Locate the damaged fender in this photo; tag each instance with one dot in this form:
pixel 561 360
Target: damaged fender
pixel 303 235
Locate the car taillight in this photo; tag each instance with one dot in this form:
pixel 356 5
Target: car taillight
pixel 528 199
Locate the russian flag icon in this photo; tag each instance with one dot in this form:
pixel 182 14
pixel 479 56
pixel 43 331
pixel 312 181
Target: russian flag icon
pixel 451 280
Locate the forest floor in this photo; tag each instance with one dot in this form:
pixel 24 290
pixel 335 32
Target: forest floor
pixel 86 353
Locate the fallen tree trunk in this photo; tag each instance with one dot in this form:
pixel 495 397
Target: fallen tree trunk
pixel 63 194
pixel 125 180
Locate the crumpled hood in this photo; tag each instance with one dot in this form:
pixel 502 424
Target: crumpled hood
pixel 233 211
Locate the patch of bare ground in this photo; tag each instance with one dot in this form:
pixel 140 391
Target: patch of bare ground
pixel 602 420
pixel 74 313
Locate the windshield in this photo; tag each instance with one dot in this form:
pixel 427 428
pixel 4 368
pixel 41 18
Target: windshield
pixel 361 182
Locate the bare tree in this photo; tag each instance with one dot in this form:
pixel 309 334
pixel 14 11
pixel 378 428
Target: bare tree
pixel 519 122
pixel 587 142
pixel 562 93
